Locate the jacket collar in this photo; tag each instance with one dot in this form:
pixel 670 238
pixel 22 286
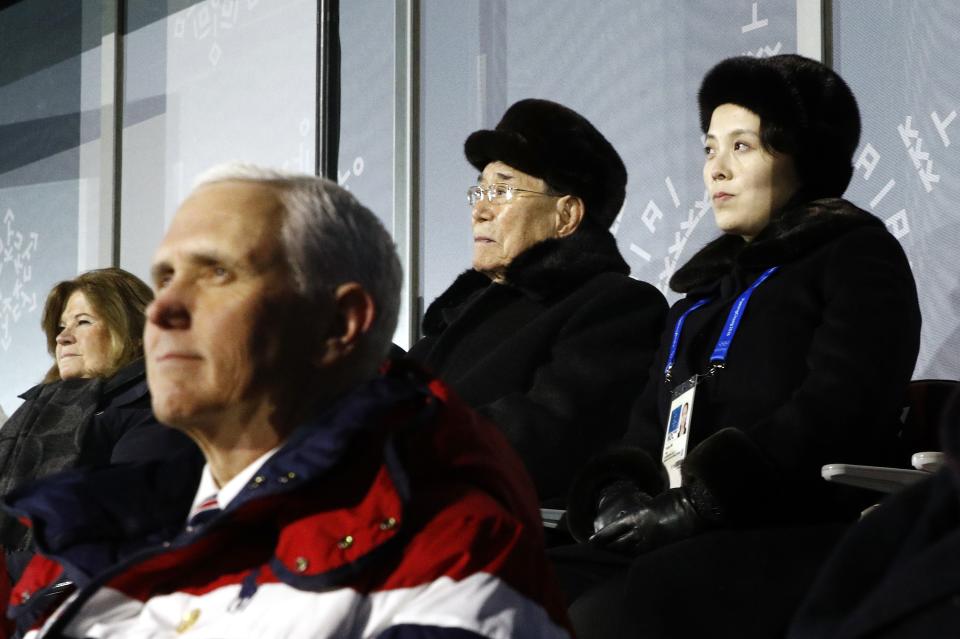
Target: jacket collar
pixel 130 375
pixel 546 270
pixel 89 520
pixel 67 390
pixel 790 235
pixel 127 377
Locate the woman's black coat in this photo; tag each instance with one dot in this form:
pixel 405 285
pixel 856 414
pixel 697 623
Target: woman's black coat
pixel 79 422
pixel 816 374
pixel 555 356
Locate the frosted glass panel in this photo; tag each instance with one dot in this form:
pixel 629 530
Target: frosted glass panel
pixel 49 119
pixel 632 68
pixel 908 163
pixel 365 164
pixel 214 82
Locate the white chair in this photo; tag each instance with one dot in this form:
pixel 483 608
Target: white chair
pixel 927 399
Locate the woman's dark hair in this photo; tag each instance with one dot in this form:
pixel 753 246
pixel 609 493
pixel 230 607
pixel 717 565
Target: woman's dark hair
pixel 118 298
pixel 777 138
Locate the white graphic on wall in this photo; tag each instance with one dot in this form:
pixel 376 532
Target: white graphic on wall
pixel 942 125
pixel 921 159
pixel 355 170
pixel 207 20
pixel 615 227
pixel 303 162
pixel 680 238
pixel 16 296
pixel 652 215
pixel 899 223
pixel 756 23
pixel 867 161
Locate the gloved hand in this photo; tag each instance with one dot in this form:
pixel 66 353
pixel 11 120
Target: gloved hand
pixel 616 500
pixel 668 517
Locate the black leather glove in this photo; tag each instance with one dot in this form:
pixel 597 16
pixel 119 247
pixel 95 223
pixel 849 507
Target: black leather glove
pixel 668 517
pixel 617 500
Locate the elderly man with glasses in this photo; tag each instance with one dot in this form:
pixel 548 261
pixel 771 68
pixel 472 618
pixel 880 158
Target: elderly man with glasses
pixel 547 334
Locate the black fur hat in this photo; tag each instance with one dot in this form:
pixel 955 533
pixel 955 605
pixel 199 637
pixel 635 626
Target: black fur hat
pixel 812 109
pixel 558 145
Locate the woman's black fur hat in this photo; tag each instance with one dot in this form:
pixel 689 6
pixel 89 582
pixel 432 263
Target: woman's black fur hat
pixel 811 106
pixel 558 145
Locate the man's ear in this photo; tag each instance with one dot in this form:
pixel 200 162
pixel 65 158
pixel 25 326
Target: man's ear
pixel 353 315
pixel 570 212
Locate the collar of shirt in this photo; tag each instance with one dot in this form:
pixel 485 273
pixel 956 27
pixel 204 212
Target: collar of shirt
pixel 208 486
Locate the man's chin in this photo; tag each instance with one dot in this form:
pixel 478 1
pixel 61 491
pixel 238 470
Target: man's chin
pixel 485 267
pixel 485 261
pixel 176 411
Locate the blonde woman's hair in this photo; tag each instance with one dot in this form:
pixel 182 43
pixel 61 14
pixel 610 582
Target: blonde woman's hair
pixel 118 298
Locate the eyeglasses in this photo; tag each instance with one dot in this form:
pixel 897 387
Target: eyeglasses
pixel 497 193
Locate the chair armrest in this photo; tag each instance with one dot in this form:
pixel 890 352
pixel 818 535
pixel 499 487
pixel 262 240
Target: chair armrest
pixel 551 517
pixel 928 462
pixel 879 478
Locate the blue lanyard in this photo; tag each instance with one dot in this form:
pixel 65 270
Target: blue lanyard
pixel 672 355
pixel 719 356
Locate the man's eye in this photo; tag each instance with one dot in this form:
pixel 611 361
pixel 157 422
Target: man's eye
pixel 163 281
pixel 708 150
pixel 741 146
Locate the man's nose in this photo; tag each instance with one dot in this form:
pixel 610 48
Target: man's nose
pixel 170 309
pixel 482 210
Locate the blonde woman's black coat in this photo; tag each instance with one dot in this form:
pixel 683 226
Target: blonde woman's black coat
pixel 79 423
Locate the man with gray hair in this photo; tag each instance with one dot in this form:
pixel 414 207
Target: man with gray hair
pixel 341 496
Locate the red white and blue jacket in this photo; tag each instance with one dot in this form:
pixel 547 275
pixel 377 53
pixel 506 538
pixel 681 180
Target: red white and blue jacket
pixel 397 513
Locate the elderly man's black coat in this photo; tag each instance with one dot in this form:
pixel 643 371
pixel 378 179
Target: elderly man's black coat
pixel 554 357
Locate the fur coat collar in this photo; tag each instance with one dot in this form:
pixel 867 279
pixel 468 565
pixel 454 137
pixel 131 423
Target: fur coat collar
pixel 547 269
pixel 792 234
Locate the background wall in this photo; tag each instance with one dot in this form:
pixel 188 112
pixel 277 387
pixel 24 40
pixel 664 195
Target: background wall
pixel 366 154
pixel 631 68
pixel 45 122
pixel 902 62
pixel 206 81
pixel 209 83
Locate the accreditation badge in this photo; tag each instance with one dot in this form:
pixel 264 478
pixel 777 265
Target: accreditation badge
pixel 678 428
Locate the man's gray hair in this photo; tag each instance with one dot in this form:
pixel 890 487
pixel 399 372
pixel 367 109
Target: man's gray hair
pixel 330 239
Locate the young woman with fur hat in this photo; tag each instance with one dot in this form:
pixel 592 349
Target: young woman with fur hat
pixel 798 335
pixel 547 335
